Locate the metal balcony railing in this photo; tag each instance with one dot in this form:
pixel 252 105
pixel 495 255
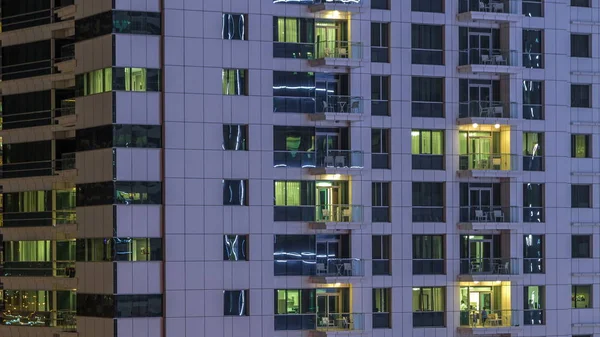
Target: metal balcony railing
pixel 494 319
pixel 339 267
pixel 490 6
pixel 338 49
pixel 490 213
pixel 40 269
pixel 340 322
pixel 308 159
pixel 488 109
pixel 339 213
pixel 497 57
pixel 490 266
pixel 342 104
pixel 488 161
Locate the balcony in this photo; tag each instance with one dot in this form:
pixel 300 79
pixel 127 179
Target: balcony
pixel 338 108
pixel 488 269
pixel 39 269
pixel 38 168
pixel 337 54
pixel 337 270
pixel 491 61
pixel 488 165
pixel 489 10
pixel 352 6
pixel 488 217
pixel 497 322
pixel 331 162
pixel 333 216
pixel 62 320
pixel 486 112
pixel 334 323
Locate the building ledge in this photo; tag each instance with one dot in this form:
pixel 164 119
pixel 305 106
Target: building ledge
pixel 585 174
pixel 336 225
pixel 38 83
pixel 488 69
pixel 61 180
pixel 38 33
pixel 489 173
pixel 39 283
pixel 58 232
pixel 492 330
pixel 585 224
pixel 585 325
pixel 487 225
pixel 585 274
pixel 489 16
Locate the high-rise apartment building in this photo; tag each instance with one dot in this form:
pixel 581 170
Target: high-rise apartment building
pixel 278 168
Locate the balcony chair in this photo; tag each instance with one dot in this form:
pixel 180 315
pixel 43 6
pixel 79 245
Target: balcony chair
pixel 328 52
pixel 348 268
pixel 354 107
pixel 342 53
pixel 497 7
pixel 500 60
pixel 340 161
pixel 347 214
pixel 485 59
pixel 480 216
pixel 498 215
pixel 329 161
pixel 483 111
pixel 325 214
pixel 475 267
pixel 327 107
pixel 503 268
pixel 482 6
pixel 497 111
pixel 321 270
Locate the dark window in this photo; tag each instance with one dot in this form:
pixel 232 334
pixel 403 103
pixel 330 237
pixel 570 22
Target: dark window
pixel 235 248
pixel 26 110
pixel 581 45
pixel 533 8
pixel 235 192
pixel 427 149
pixel 427 202
pixel 294 92
pixel 382 308
pixel 581 296
pixel 380 148
pixel 581 246
pixel 25 13
pixel 533 254
pixel 235 137
pixel 119 306
pixel 581 95
pixel 533 99
pixel 235 26
pixel 119 249
pixel 533 202
pixel 581 196
pixel 118 22
pixel 235 302
pixel 119 135
pixel 289 255
pixel 26 60
pixel 380 202
pixel 381 245
pixel 27 159
pixel 429 307
pixel 380 4
pixel 428 97
pixel 380 42
pixel 235 82
pixel 428 254
pixel 380 95
pixel 119 192
pixel 581 3
pixel 534 298
pixel 533 49
pixel 427 44
pixel 432 6
pixel 581 146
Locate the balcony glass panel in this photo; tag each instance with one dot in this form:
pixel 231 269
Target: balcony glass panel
pixel 495 57
pixel 489 265
pixel 487 109
pixel 488 213
pixel 491 6
pixel 338 49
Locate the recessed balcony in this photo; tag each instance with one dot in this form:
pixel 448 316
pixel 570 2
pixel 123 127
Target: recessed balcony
pixel 484 151
pixel 336 324
pixel 337 216
pixel 488 269
pixel 484 217
pixel 337 270
pixel 486 164
pixel 338 108
pixel 337 54
pixel 352 6
pixel 487 112
pixel 487 60
pixel 489 10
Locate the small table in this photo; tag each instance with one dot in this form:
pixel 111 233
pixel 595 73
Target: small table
pixel 342 106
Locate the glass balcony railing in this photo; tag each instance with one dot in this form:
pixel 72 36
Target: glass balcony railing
pixel 490 6
pixel 339 50
pixel 493 266
pixel 489 214
pixel 342 104
pixel 487 109
pixel 346 2
pixel 488 161
pixel 533 163
pixel 340 267
pixel 37 168
pixel 64 319
pixel 340 322
pixel 494 319
pixel 496 57
pixel 308 159
pixel 339 213
pixel 38 219
pixel 39 269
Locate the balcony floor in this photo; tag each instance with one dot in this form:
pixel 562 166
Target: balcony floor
pixel 489 173
pixel 488 16
pixel 489 69
pixel 337 62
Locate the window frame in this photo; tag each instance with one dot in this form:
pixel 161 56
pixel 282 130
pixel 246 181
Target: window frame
pixel 240 87
pixel 581 140
pixel 245 309
pixel 577 50
pixel 242 187
pixel 242 134
pixel 227 242
pixel 383 296
pixel 574 292
pixel 240 36
pixel 581 95
pixel 576 254
pixel 579 190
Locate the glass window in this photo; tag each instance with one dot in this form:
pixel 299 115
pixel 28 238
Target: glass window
pixel 428 254
pixel 380 95
pixel 380 42
pixel 580 45
pixel 138 79
pixel 429 305
pixel 533 8
pixel 534 304
pixel 427 44
pixel 581 146
pixel 153 79
pixel 533 202
pixel 382 307
pixel 581 3
pixel 581 246
pixel 294 193
pixel 380 4
pixel 581 196
pixel 119 249
pixel 381 246
pixel 295 301
pixel 235 137
pixel 235 192
pixel 533 143
pixel 432 6
pixel 380 210
pixel 533 100
pixel 428 97
pixel 235 248
pixel 428 202
pixel 581 296
pixel 580 95
pixel 234 26
pixel 533 254
pixel 533 49
pixel 380 148
pixel 235 302
pixel 234 82
pixel 427 142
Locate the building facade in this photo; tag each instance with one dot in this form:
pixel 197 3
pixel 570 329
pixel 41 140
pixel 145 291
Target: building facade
pixel 175 168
